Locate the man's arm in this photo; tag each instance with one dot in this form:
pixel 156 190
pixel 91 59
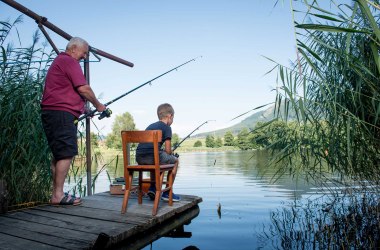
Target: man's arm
pixel 86 92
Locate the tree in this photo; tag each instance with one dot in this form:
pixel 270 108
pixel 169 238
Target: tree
pixel 210 141
pixel 261 135
pixel 229 139
pixel 197 144
pixel 243 140
pixel 121 122
pixel 175 139
pixel 218 142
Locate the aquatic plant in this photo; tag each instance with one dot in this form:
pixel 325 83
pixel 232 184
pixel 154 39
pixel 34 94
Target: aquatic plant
pixel 333 90
pixel 349 221
pixel 24 162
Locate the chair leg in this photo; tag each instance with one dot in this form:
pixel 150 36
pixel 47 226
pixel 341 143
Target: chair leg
pixel 127 191
pixel 140 187
pixel 170 183
pixel 156 202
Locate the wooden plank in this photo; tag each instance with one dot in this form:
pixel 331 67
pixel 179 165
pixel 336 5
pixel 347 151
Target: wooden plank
pixel 93 213
pixel 97 220
pixel 68 222
pixel 42 236
pixel 14 243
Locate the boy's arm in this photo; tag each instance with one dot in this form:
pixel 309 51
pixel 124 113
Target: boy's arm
pixel 168 146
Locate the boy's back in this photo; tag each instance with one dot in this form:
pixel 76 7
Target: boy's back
pixel 147 148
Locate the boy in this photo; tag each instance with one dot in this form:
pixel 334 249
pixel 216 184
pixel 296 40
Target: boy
pixel 144 151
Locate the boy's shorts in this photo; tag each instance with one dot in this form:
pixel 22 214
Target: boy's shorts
pixel 165 158
pixel 61 133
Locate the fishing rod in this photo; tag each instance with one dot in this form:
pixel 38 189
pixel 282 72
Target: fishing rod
pixel 188 136
pixel 107 112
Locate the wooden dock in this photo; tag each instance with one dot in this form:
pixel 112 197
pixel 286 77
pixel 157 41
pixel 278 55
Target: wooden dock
pixel 95 224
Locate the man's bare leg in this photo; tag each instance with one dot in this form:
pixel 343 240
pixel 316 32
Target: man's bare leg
pixel 59 172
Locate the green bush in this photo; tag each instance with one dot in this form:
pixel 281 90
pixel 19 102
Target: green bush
pixel 197 144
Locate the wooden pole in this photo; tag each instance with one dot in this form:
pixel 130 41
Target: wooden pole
pixel 88 130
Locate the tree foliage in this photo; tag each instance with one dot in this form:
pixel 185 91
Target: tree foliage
pixel 218 142
pixel 229 139
pixel 243 139
pixel 197 144
pixel 210 141
pixel 175 139
pixel 122 122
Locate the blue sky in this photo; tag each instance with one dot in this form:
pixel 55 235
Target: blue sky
pixel 231 36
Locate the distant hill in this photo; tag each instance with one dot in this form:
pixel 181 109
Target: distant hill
pixel 249 122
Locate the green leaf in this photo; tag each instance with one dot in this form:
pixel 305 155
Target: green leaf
pixel 367 12
pixel 327 18
pixel 322 27
pixel 4 55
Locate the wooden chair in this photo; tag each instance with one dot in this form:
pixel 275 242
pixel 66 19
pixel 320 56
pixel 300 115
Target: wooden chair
pixel 148 136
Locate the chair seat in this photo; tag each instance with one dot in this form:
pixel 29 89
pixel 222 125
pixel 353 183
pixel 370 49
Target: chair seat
pixel 150 167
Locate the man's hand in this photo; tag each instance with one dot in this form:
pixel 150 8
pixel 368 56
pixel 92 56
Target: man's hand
pixel 105 113
pixel 101 107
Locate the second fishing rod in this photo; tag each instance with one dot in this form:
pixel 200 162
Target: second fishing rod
pixel 188 136
pixel 107 112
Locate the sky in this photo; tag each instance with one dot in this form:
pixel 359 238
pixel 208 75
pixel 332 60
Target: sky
pixel 231 40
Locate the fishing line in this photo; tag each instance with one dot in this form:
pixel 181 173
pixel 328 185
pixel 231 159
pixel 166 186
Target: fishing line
pixel 107 112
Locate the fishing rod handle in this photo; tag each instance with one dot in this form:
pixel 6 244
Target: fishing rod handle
pixel 105 113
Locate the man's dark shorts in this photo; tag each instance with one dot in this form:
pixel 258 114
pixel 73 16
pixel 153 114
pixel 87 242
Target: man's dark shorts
pixel 61 133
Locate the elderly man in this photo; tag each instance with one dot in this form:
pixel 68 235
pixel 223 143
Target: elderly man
pixel 62 103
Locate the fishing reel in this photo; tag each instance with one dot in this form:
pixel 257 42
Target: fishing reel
pixel 106 113
pixel 176 155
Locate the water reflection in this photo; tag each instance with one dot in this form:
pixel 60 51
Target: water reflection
pixel 238 195
pixel 175 228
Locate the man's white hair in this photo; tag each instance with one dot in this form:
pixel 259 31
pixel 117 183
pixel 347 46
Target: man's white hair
pixel 76 42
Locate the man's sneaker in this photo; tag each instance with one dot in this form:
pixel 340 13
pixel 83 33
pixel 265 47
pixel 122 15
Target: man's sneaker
pixel 165 197
pixel 152 193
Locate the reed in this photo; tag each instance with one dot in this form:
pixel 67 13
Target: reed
pixel 333 90
pixel 346 221
pixel 24 161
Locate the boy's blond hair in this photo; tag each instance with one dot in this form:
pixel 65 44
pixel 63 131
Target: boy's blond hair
pixel 164 109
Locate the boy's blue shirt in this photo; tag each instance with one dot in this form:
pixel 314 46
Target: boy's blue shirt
pixel 147 148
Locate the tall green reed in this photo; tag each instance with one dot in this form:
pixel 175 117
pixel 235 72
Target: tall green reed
pixel 349 221
pixel 333 88
pixel 24 161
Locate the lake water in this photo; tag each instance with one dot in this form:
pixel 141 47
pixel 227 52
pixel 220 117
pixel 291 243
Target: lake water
pixel 241 183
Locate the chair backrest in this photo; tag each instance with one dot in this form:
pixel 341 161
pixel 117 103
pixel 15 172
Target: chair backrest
pixel 146 136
